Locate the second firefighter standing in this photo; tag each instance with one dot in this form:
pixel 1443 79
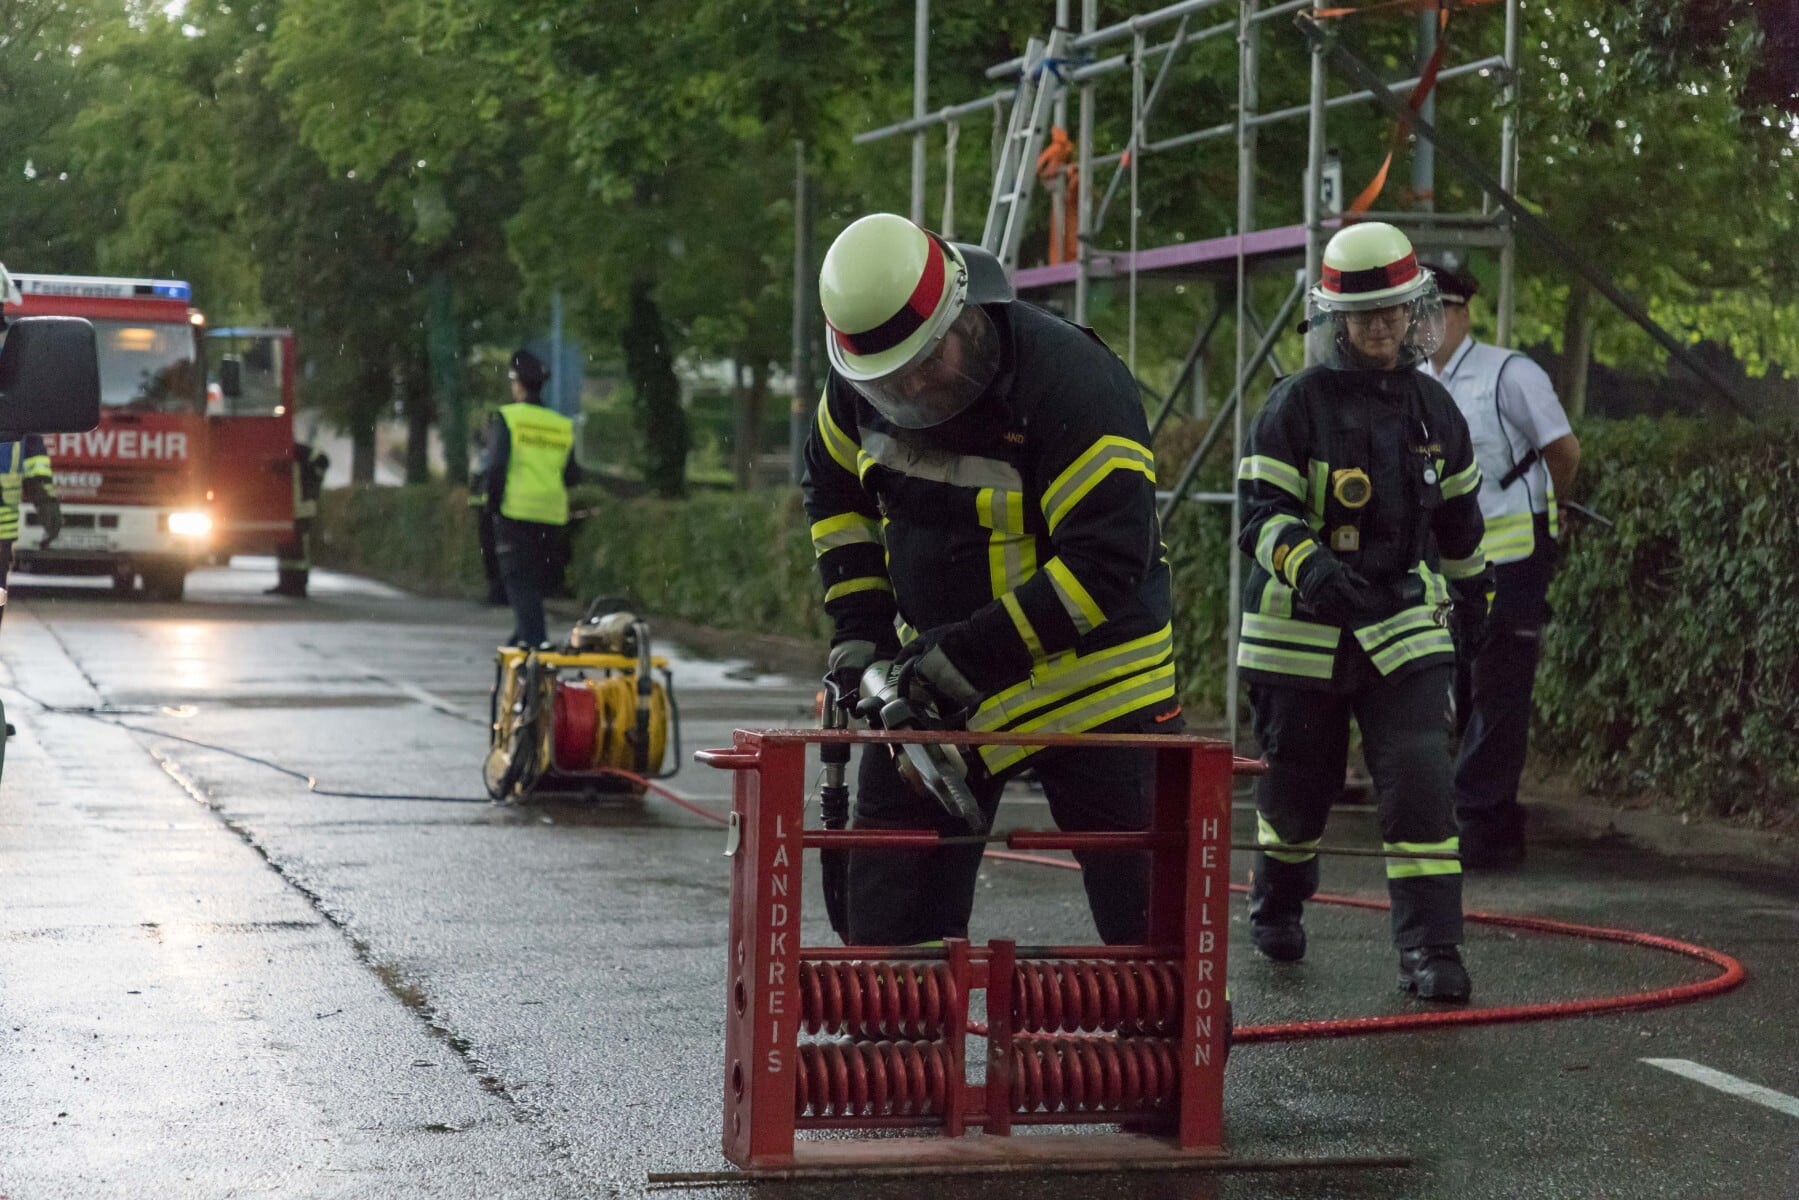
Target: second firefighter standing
pixel 1359 495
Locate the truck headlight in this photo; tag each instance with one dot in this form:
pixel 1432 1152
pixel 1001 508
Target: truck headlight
pixel 190 524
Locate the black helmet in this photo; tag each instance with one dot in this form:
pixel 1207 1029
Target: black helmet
pixel 529 370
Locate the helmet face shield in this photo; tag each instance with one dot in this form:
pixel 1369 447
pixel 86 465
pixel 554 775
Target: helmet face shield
pixel 1385 333
pixel 943 379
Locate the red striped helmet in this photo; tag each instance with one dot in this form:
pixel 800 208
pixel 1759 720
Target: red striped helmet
pixel 900 328
pixel 1373 281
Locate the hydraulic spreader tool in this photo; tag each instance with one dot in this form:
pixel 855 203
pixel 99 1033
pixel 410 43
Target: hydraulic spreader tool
pixel 880 1037
pixel 595 715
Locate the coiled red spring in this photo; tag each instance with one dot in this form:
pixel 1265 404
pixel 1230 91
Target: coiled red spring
pixel 872 1079
pixel 908 1001
pixel 1132 997
pixel 1088 1075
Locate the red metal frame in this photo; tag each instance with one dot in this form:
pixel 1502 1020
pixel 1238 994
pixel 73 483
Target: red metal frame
pixel 903 1063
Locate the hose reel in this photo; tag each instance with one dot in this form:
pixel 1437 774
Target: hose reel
pixel 585 717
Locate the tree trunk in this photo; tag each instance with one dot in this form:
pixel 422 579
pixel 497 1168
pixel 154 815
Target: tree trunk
pixel 655 393
pixel 748 405
pixel 445 352
pixel 374 394
pixel 362 450
pixel 415 387
pixel 1578 322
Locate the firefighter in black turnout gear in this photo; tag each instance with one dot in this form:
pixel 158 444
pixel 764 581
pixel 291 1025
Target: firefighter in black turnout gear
pixel 1359 495
pixel 982 499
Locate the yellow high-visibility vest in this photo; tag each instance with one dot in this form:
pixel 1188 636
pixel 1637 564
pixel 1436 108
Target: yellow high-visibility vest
pixel 541 440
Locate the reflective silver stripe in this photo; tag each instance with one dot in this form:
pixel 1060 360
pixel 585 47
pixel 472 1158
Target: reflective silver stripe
pixel 838 444
pixel 1011 552
pixel 1410 649
pixel 941 466
pixel 1122 698
pixel 845 529
pixel 1285 629
pixel 1304 663
pixel 1405 622
pixel 1412 868
pixel 1077 602
pixel 1069 673
pixel 1271 532
pixel 1462 482
pixel 1289 852
pixel 1277 599
pixel 1262 469
pixel 1108 454
pixel 1465 568
pixel 849 587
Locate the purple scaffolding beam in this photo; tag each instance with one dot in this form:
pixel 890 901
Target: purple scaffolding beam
pixel 1196 256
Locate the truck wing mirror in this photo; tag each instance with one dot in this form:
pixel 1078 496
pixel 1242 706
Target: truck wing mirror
pixel 49 376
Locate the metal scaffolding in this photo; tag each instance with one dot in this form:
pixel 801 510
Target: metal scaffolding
pixel 1062 60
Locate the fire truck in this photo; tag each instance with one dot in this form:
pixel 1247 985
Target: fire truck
pixel 165 482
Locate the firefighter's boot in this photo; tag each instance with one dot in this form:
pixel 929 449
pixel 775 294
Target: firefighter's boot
pixel 1277 896
pixel 1435 973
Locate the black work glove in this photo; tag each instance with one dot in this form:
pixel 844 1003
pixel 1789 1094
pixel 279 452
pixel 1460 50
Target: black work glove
pixel 946 665
pixel 843 677
pixel 49 515
pixel 1335 592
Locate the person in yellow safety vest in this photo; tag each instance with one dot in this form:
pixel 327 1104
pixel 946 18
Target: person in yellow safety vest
pixel 293 558
pixel 25 474
pixel 982 499
pixel 528 469
pixel 1358 490
pixel 1528 455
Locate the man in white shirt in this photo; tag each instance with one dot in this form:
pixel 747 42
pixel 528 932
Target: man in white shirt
pixel 1528 455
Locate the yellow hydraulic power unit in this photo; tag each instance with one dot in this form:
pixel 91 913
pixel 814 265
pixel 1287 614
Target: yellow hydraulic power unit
pixel 595 716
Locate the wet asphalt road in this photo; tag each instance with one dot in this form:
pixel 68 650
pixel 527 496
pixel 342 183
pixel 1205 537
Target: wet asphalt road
pixel 216 983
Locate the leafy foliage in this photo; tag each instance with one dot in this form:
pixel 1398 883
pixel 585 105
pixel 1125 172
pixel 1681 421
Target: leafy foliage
pixel 1673 662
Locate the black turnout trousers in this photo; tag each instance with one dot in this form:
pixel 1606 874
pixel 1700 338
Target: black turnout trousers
pixel 1304 735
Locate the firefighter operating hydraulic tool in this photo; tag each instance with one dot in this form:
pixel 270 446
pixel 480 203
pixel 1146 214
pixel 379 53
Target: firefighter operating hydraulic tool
pixel 595 715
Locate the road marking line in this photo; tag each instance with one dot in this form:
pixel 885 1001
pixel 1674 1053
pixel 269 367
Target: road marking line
pixel 1730 1085
pixel 428 699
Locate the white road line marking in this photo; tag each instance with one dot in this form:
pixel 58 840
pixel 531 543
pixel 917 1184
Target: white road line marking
pixel 428 699
pixel 1730 1085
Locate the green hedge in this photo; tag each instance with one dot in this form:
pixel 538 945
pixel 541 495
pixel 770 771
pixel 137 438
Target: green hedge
pixel 1673 663
pixel 1672 668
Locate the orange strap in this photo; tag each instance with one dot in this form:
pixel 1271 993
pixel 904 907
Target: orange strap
pixel 1326 14
pixel 1427 82
pixel 1056 159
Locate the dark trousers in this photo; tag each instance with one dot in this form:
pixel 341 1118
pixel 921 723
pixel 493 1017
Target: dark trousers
pixel 1304 737
pixel 490 556
pixel 5 570
pixel 293 560
pixel 902 898
pixel 526 551
pixel 1496 688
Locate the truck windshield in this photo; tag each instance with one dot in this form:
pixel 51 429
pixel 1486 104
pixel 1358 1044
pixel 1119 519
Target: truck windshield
pixel 150 367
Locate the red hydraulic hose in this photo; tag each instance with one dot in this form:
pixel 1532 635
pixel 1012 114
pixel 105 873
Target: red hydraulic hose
pixel 1729 976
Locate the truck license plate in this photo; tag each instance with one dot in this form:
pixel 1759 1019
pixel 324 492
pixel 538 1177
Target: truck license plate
pixel 82 540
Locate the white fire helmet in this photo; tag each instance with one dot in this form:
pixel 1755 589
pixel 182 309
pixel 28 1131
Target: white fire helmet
pixel 904 317
pixel 1372 279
